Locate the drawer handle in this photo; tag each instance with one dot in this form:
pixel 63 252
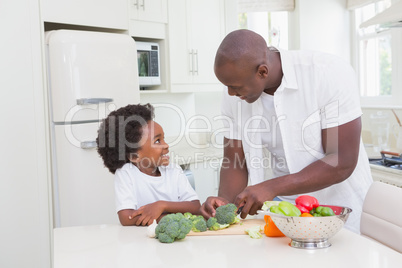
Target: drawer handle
pixel 86 101
pixel 88 145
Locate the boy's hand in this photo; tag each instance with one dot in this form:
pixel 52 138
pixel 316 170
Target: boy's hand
pixel 146 214
pixel 208 209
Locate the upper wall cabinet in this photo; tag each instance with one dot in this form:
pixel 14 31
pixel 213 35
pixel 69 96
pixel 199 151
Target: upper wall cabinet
pixel 96 13
pixel 195 29
pixel 149 10
pixel 148 18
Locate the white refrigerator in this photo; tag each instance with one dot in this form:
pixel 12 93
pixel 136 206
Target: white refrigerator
pixel 90 74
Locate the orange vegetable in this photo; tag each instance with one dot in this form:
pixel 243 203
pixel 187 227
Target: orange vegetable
pixel 270 228
pixel 306 214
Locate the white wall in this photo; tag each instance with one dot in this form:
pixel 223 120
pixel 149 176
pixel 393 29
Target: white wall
pixel 322 26
pixel 25 228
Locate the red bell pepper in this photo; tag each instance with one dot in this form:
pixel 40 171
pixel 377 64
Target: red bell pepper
pixel 307 202
pixel 302 209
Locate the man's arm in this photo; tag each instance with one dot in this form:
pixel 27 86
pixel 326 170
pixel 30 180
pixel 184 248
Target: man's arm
pixel 341 147
pixel 233 175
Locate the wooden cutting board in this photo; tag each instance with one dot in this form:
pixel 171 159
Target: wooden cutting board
pixel 234 229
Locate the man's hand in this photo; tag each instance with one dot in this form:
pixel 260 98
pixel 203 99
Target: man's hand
pixel 208 209
pixel 252 199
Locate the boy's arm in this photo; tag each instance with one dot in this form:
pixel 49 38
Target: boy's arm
pixel 146 214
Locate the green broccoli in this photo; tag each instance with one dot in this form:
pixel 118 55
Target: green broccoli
pixel 213 224
pixel 227 214
pixel 199 224
pixel 172 227
pixel 187 215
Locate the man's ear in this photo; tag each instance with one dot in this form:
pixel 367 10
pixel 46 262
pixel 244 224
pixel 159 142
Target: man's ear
pixel 262 70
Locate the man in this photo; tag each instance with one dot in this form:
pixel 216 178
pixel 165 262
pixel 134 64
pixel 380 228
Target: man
pixel 302 107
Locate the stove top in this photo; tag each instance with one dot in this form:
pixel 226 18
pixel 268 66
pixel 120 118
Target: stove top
pixel 390 162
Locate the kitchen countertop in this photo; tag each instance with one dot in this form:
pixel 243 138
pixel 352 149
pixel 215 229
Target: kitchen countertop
pixel 117 246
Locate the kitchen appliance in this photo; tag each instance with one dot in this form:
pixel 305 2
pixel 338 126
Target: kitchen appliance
pixel 89 75
pixel 389 159
pixel 148 64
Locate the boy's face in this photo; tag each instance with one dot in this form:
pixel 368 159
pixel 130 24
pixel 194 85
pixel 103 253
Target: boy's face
pixel 153 151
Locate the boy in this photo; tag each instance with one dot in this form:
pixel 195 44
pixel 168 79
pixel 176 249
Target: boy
pixel 132 147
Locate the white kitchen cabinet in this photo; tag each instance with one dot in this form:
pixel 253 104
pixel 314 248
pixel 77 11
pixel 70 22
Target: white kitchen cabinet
pixel 149 10
pixel 195 28
pixel 100 13
pixel 206 177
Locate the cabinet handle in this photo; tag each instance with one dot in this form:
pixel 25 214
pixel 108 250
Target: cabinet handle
pixel 191 61
pixel 86 101
pixel 196 61
pixel 88 144
pixel 135 3
pixel 143 5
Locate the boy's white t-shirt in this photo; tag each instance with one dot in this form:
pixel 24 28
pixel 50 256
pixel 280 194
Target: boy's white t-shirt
pixel 134 189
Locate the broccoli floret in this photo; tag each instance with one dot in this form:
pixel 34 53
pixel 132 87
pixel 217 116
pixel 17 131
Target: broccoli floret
pixel 227 214
pixel 187 215
pixel 199 224
pixel 172 227
pixel 213 224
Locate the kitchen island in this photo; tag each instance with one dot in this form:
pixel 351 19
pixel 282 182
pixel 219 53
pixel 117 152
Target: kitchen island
pixel 117 246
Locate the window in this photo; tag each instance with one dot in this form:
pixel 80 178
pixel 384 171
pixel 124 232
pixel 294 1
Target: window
pixel 273 26
pixel 376 62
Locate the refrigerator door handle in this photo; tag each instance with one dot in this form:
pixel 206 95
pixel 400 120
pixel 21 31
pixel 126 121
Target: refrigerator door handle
pixel 85 101
pixel 88 145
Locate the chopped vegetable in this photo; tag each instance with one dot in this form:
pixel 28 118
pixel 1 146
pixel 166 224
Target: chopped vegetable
pixel 213 224
pixel 254 232
pixel 226 214
pixel 270 229
pixel 199 224
pixel 268 204
pixel 172 227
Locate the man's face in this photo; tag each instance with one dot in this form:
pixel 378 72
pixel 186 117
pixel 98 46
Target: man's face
pixel 246 84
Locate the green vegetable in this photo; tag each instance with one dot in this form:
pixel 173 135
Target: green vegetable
pixel 254 232
pixel 172 227
pixel 286 208
pixel 227 214
pixel 213 224
pixel 321 211
pixel 268 204
pixel 199 224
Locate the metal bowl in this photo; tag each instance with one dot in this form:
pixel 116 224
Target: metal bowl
pixel 310 232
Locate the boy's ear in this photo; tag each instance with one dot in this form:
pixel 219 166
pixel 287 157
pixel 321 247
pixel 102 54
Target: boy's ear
pixel 133 157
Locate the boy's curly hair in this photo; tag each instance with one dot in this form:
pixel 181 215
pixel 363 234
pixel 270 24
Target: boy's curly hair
pixel 120 133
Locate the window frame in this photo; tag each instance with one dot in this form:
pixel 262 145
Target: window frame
pixel 395 99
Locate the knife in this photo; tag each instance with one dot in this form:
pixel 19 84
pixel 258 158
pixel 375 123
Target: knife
pixel 239 210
